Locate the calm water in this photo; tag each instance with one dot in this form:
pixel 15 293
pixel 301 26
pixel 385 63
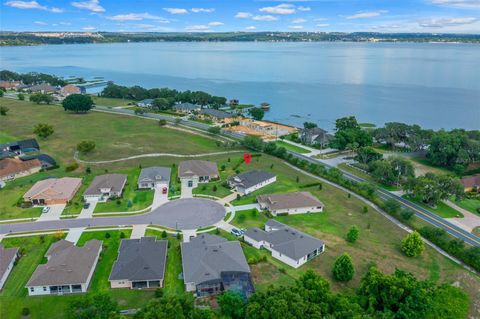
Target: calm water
pixel 434 85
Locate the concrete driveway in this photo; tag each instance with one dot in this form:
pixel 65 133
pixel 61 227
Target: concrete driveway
pixel 88 212
pixel 186 192
pixel 158 197
pixel 54 213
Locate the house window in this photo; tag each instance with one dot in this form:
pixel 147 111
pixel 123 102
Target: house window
pixel 32 289
pixel 44 288
pixel 190 183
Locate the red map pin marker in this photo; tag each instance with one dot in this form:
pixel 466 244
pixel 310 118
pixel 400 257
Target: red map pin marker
pixel 247 157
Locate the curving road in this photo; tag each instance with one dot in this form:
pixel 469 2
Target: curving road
pixel 187 213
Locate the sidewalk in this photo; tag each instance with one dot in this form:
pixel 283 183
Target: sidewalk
pixel 469 221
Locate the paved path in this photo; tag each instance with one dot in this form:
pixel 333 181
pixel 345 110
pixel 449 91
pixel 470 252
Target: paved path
pixel 138 231
pixel 153 155
pixel 228 198
pixel 179 214
pixel 187 234
pixel 53 214
pixel 74 234
pixel 469 221
pixel 88 212
pixel 247 207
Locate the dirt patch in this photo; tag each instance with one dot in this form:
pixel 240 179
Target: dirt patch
pixel 264 272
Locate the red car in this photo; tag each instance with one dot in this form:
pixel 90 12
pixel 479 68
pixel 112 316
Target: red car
pixel 164 190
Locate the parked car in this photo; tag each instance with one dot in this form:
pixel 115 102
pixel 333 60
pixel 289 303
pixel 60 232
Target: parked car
pixel 236 232
pixel 86 205
pixel 164 190
pixel 45 210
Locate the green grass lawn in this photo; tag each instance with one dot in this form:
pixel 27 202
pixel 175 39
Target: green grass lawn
pixel 106 101
pixel 4 137
pixel 116 136
pixel 249 218
pixel 358 172
pixel 470 204
pixel 291 147
pixel 132 199
pixel 442 209
pixel 172 283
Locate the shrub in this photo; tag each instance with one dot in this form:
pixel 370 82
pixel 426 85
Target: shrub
pixel 158 293
pixel 4 110
pixel 352 234
pixel 413 245
pixel 164 234
pixel 214 188
pixel 162 122
pixel 343 269
pixel 407 214
pixel 25 311
pixel 85 146
pixel 107 235
pixel 122 235
pixel 241 217
pixel 365 209
pixel 72 167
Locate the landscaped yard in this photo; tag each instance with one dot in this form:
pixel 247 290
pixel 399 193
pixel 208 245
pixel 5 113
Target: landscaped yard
pixel 291 147
pixel 470 204
pixel 442 209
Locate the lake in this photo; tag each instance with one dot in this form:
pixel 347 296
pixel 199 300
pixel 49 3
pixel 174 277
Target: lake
pixel 433 85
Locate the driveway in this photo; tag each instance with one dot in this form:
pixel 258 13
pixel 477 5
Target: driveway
pixel 186 192
pixel 247 207
pixel 88 212
pixel 54 213
pixel 188 213
pixel 158 197
pixel 469 221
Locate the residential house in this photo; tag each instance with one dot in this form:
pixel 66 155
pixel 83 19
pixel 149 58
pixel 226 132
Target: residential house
pixel 286 244
pixel 186 107
pixel 53 191
pixel 152 177
pixel 290 203
pixel 250 181
pixel 315 136
pixel 9 84
pixel 471 183
pixel 211 264
pixel 12 168
pixel 8 256
pixel 46 160
pixel 42 88
pixel 23 87
pixel 216 115
pixel 71 89
pixel 268 128
pixel 12 149
pixel 140 264
pixel 106 186
pixel 193 172
pixel 145 103
pixel 69 269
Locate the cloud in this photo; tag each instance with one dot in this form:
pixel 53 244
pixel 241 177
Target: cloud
pixel 283 8
pixel 251 28
pixel 216 24
pixel 448 22
pixel 176 10
pixel 89 28
pixel 198 28
pixel 64 23
pixel 31 5
pixel 364 15
pixel 206 10
pixel 465 4
pixel 296 27
pixel 322 25
pixel 243 15
pixel 137 17
pixel 304 9
pixel 298 21
pixel 91 5
pixel 265 18
pixel 40 23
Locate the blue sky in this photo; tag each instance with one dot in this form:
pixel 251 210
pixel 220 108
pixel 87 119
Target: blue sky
pixel 461 16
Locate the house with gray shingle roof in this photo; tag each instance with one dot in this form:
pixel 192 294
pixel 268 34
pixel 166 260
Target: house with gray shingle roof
pixel 151 177
pixel 106 186
pixel 250 181
pixel 290 203
pixel 140 264
pixel 211 264
pixel 186 107
pixel 193 172
pixel 69 269
pixel 287 244
pixel 8 256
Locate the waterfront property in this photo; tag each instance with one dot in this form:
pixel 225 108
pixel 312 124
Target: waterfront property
pixel 186 107
pixel 106 186
pixel 471 183
pixel 315 136
pixel 263 129
pixel 290 203
pixel 12 149
pixel 53 191
pixel 250 181
pixel 71 89
pixel 69 269
pixel 42 88
pixel 216 115
pixel 211 264
pixel 12 168
pixel 286 244
pixel 152 177
pixel 140 264
pixel 8 256
pixel 193 172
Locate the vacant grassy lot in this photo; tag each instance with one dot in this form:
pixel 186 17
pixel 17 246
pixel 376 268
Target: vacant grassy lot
pixel 470 204
pixel 291 147
pixel 106 101
pixel 116 136
pixel 442 209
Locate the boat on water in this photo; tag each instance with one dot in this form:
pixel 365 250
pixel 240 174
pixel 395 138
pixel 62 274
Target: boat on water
pixel 265 106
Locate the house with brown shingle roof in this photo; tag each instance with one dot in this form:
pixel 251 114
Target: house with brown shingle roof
pixel 471 183
pixel 193 172
pixel 53 191
pixel 12 168
pixel 8 256
pixel 69 269
pixel 290 203
pixel 71 89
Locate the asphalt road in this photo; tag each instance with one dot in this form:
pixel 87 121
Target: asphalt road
pixel 188 213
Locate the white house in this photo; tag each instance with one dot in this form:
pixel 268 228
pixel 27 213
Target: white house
pixel 286 244
pixel 193 172
pixel 145 103
pixel 290 203
pixel 106 186
pixel 8 256
pixel 152 177
pixel 250 181
pixel 69 269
